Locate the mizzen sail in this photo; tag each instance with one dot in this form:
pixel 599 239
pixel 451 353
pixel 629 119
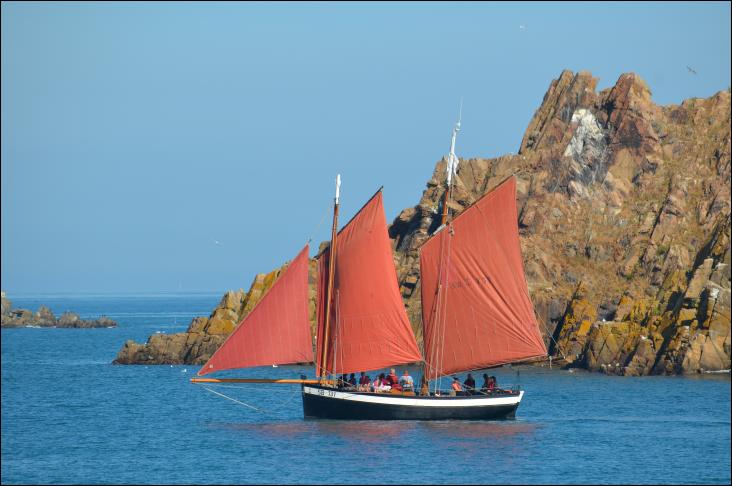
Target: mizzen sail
pixel 369 328
pixel 276 331
pixel 476 308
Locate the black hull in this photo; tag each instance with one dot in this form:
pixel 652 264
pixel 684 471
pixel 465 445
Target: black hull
pixel 323 406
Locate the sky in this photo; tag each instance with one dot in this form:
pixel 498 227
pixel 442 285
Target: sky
pixel 185 147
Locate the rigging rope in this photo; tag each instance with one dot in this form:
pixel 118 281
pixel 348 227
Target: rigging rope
pixel 232 399
pixel 551 335
pixel 281 405
pixel 444 307
pixel 319 224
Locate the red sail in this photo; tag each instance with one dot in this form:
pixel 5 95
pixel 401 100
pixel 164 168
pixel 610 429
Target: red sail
pixel 369 328
pixel 476 308
pixel 276 331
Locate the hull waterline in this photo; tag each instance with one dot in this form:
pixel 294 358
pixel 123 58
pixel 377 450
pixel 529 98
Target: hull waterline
pixel 328 403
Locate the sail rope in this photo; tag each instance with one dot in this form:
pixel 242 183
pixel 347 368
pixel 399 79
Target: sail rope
pixel 444 307
pixel 434 311
pixel 336 336
pixel 278 407
pixel 441 308
pixel 232 399
pixel 434 331
pixel 315 231
pixel 551 336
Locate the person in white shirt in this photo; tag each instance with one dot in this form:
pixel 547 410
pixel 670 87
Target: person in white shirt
pixel 406 381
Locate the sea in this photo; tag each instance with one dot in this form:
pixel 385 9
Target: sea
pixel 69 416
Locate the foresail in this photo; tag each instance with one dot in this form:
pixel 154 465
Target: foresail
pixel 369 328
pixel 276 331
pixel 476 308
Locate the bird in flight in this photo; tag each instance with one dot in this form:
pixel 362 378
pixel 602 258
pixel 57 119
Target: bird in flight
pixel 690 70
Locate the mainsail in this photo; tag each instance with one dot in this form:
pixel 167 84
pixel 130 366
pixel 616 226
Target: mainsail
pixel 476 308
pixel 276 331
pixel 369 328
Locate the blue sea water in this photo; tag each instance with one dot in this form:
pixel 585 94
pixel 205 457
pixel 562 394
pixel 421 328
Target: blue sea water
pixel 70 416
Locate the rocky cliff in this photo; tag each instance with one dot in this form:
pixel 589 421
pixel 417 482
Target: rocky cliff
pixel 44 317
pixel 624 217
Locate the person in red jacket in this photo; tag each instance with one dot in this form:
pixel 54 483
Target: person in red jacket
pixel 364 382
pixel 393 380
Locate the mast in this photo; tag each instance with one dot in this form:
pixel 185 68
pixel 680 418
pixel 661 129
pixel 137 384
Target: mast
pixel 452 165
pixel 365 300
pixel 331 274
pixel 451 168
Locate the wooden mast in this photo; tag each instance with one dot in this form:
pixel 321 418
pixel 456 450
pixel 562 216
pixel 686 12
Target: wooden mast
pixel 445 198
pixel 331 276
pixel 450 169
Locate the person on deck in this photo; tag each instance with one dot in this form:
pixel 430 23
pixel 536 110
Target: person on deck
pixel 381 384
pixel 406 382
pixel 385 383
pixel 494 384
pixel 486 383
pixel 457 388
pixel 469 384
pixel 376 384
pixel 364 383
pixel 352 380
pixel 393 380
pixel 342 382
pixel 424 387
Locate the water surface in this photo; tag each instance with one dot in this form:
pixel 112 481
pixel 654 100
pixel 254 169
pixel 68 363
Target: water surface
pixel 70 416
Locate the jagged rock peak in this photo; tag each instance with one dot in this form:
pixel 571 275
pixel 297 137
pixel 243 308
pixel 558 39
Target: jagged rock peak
pixel 564 96
pixel 570 93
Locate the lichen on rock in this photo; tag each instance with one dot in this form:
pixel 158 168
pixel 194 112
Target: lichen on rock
pixel 624 220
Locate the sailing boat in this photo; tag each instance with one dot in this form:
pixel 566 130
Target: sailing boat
pixel 476 314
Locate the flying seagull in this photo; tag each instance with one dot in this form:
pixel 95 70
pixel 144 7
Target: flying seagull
pixel 690 70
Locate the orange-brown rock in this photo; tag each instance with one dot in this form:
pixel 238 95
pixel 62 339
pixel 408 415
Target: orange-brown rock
pixel 624 218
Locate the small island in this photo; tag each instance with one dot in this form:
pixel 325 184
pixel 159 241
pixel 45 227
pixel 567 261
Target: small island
pixel 44 318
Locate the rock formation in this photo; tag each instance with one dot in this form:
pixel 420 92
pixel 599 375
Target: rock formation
pixel 45 318
pixel 624 217
pixel 205 334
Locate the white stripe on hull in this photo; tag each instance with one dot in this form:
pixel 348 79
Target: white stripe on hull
pixel 386 399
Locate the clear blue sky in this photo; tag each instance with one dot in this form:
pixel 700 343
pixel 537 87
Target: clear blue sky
pixel 136 135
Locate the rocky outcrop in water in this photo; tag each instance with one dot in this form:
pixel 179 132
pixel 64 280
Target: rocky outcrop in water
pixel 624 217
pixel 205 334
pixel 43 317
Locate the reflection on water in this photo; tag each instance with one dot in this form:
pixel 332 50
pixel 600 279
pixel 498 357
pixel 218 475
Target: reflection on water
pixel 498 430
pixel 366 430
pixel 274 430
pixel 388 431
